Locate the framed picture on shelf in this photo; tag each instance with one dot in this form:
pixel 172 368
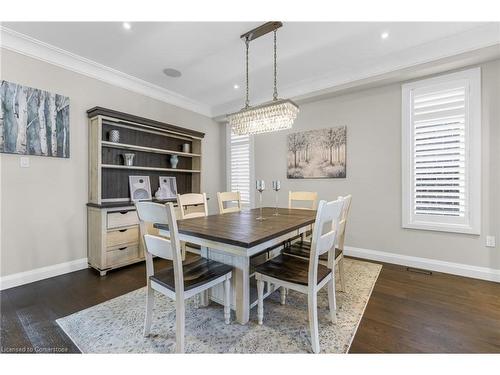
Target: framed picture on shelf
pixel 168 188
pixel 140 188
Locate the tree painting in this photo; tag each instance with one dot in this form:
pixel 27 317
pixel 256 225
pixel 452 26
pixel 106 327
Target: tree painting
pixel 317 153
pixel 33 121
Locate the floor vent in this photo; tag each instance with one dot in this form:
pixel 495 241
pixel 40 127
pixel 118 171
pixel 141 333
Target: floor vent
pixel 418 270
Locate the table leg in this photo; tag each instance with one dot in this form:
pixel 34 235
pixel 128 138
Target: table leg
pixel 204 296
pixel 241 275
pixel 240 282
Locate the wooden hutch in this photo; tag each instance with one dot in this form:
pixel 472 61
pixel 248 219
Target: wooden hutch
pixel 113 231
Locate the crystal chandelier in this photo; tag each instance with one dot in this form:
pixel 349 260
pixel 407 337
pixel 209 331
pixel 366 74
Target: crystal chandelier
pixel 278 114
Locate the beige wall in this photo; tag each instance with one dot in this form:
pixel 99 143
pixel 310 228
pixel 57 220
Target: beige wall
pixel 373 120
pixel 43 209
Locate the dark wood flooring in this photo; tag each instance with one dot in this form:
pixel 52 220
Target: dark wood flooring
pixel 407 313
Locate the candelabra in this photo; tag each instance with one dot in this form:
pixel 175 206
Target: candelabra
pixel 276 188
pixel 261 186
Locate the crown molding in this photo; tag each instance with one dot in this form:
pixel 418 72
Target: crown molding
pixel 28 46
pixel 397 67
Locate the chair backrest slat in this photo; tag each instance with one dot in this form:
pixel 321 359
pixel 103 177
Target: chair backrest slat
pixel 303 196
pixel 227 197
pixel 324 233
pixel 150 212
pixel 158 246
pixel 192 199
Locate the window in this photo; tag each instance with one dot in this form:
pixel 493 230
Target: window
pixel 442 153
pixel 240 166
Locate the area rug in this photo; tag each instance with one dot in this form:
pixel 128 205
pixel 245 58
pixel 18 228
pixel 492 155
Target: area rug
pixel 115 326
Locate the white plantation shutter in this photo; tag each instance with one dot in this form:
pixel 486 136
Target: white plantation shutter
pixel 441 124
pixel 240 166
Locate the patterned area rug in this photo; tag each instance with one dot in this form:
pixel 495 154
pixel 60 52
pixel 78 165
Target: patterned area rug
pixel 115 326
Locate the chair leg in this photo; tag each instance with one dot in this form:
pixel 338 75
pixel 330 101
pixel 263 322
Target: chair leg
pixel 260 303
pixel 332 299
pixel 313 320
pixel 227 301
pixel 283 293
pixel 183 251
pixel 204 298
pixel 180 316
pixel 150 298
pixel 341 273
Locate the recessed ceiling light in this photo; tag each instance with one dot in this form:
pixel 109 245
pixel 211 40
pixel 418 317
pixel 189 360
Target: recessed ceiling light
pixel 384 35
pixel 236 87
pixel 127 26
pixel 174 73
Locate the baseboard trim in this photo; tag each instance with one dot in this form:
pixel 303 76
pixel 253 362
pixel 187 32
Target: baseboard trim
pixel 460 269
pixel 37 274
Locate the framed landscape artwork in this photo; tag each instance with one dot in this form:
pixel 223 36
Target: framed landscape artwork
pixel 317 153
pixel 33 121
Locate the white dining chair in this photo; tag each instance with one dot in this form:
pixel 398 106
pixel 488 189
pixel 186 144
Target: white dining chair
pixel 302 249
pixel 192 205
pixel 226 198
pixel 310 198
pixel 306 276
pixel 145 211
pixel 179 282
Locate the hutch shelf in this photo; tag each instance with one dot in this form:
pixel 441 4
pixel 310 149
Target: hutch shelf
pixel 113 231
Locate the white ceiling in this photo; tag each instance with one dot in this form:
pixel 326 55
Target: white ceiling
pixel 312 56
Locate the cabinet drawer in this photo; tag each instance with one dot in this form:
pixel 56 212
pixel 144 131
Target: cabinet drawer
pixel 122 219
pixel 122 236
pixel 122 255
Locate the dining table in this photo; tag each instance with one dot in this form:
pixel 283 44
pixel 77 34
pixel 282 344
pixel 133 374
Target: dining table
pixel 235 239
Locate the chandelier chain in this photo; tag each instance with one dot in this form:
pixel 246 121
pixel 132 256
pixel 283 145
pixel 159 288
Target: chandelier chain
pixel 247 100
pixel 275 94
pixel 275 115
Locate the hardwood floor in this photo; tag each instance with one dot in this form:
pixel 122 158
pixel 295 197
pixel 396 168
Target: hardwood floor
pixel 407 313
pixel 411 312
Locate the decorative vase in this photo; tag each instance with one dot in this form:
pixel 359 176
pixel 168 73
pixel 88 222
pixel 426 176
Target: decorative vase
pixel 186 147
pixel 174 159
pixel 128 159
pixel 114 136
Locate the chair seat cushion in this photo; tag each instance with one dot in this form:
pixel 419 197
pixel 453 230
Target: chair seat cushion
pixel 291 269
pixel 303 249
pixel 198 272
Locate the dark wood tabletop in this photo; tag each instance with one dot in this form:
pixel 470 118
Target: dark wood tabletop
pixel 242 228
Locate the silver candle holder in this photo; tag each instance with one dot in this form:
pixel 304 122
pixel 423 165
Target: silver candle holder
pixel 276 188
pixel 260 185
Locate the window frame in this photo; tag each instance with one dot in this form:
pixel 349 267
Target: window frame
pixel 472 224
pixel 252 164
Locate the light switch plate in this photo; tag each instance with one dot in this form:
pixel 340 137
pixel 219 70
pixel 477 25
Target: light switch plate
pixel 25 162
pixel 490 241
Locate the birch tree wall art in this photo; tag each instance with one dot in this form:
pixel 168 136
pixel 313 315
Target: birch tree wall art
pixel 33 121
pixel 317 153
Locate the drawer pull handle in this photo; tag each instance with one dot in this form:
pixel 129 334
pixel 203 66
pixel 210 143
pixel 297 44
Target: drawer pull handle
pixel 122 230
pixel 122 248
pixel 123 212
